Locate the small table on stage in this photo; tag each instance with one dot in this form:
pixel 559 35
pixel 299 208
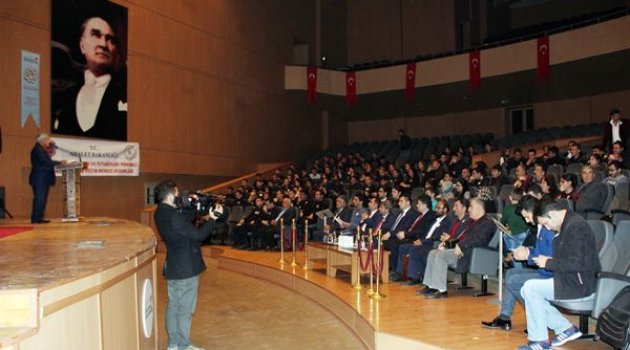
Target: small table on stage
pixel 343 259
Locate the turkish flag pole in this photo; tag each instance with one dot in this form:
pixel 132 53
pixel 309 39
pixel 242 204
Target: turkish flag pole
pixel 351 89
pixel 410 81
pixel 311 84
pixel 474 66
pixel 543 51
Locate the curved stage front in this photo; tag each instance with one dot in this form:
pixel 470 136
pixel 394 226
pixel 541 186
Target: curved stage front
pixel 86 285
pixel 399 321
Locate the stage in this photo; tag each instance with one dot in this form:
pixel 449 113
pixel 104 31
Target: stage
pixel 85 285
pixel 400 320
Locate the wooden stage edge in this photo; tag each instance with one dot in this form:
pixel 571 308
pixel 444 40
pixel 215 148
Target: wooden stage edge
pixel 308 283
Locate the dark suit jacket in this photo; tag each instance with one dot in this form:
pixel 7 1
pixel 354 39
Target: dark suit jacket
pixel 404 224
pixel 345 215
pixel 43 167
pixel 183 243
pixel 479 234
pixel 387 224
pixel 287 216
pixel 111 123
pixel 444 226
pixel 421 228
pixel 624 133
pixel 591 196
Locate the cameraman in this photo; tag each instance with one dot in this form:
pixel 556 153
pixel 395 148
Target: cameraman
pixel 183 264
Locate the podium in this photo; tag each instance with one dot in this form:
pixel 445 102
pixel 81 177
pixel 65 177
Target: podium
pixel 71 174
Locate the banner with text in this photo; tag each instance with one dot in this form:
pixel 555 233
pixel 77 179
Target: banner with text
pixel 30 87
pixel 103 158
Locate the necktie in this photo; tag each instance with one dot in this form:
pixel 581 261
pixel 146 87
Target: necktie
pixel 416 222
pixel 434 227
pixel 378 226
pixel 397 221
pixel 454 228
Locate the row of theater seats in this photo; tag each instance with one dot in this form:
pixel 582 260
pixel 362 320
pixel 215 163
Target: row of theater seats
pixel 422 148
pixel 555 26
pixel 513 36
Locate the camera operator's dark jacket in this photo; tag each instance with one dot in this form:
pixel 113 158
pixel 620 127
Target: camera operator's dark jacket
pixel 183 243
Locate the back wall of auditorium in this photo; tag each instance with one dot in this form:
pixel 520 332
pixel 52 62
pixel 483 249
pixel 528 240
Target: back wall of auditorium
pixel 207 100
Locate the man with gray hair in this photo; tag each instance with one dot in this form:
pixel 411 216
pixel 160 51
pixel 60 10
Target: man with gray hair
pixel 42 175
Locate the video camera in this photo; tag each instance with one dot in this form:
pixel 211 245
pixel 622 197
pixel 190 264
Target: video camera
pixel 196 204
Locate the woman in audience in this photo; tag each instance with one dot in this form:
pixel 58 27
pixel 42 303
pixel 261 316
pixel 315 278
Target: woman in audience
pixel 615 176
pixel 549 186
pixel 568 183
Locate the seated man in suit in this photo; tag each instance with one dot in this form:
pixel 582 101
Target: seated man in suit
pixel 371 216
pixel 283 214
pixel 591 194
pixel 357 213
pixel 478 234
pixel 341 220
pixel 428 234
pixel 252 223
pixel 399 231
pixel 454 230
pixel 426 217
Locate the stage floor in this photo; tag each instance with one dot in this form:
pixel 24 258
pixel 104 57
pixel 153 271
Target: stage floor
pixel 401 319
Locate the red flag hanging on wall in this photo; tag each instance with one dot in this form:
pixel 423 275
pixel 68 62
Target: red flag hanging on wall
pixel 351 89
pixel 474 65
pixel 410 77
pixel 544 70
pixel 311 84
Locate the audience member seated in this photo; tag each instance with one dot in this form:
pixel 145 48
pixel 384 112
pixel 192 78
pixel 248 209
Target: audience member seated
pixel 615 176
pixel 285 213
pixel 568 183
pixel 514 221
pixel 516 278
pixel 574 265
pixel 399 232
pixel 553 157
pixel 590 195
pixel 498 178
pixel 417 230
pixel 540 171
pixel 341 220
pixel 254 222
pixel 517 158
pixel 357 214
pixel 597 162
pixel 617 152
pixel 575 154
pixel 478 234
pixel 522 178
pixel 532 159
pixel 549 187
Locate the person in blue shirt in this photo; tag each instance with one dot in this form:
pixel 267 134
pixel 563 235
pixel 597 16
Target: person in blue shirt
pixel 516 278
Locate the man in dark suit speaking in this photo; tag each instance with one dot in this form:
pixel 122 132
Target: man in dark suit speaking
pixel 42 175
pixel 98 108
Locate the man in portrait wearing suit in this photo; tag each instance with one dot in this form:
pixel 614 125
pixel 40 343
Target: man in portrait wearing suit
pixel 98 108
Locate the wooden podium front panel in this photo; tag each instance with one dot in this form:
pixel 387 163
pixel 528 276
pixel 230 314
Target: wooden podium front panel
pixel 119 316
pixel 78 327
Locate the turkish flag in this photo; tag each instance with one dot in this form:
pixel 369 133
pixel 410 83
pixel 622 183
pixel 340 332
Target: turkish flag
pixel 544 70
pixel 474 66
pixel 311 84
pixel 351 89
pixel 410 79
